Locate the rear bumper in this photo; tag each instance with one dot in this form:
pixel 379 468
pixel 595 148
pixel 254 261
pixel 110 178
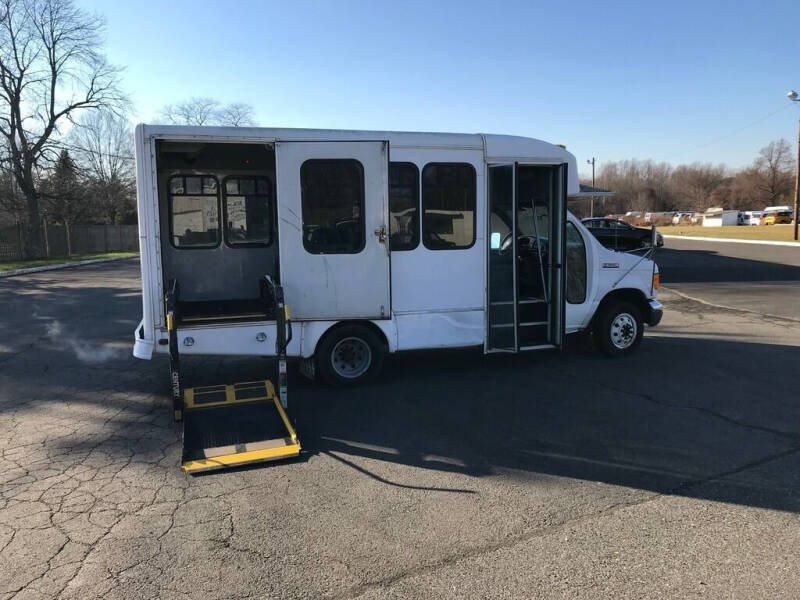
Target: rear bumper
pixel 654 313
pixel 142 347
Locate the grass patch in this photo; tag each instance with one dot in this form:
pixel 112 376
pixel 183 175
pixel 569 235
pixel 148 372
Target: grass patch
pixel 24 264
pixel 782 233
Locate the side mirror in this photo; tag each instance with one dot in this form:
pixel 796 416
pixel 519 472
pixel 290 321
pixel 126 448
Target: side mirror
pixel 653 237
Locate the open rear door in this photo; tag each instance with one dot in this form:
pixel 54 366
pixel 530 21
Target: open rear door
pixel 332 229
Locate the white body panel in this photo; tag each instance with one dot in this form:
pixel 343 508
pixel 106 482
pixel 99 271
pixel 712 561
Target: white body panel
pixel 437 297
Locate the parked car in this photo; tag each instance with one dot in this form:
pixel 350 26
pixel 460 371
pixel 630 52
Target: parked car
pixel 619 235
pixel 682 218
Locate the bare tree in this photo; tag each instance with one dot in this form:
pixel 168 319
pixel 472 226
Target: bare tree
pixel 197 110
pixel 51 68
pixel 12 202
pixel 641 185
pixel 694 184
pixel 237 114
pixel 101 142
pixel 200 110
pixel 774 167
pixel 644 185
pixel 745 192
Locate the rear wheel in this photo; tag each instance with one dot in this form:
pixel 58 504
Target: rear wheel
pixel 618 329
pixel 349 355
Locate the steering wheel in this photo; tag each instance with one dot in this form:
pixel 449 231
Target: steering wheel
pixel 524 241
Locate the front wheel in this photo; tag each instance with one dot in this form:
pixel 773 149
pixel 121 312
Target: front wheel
pixel 349 355
pixel 618 329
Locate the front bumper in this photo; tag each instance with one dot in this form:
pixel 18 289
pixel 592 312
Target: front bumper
pixel 654 313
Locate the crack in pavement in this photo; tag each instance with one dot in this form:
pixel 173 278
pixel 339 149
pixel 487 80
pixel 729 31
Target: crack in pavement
pixel 777 319
pixel 790 435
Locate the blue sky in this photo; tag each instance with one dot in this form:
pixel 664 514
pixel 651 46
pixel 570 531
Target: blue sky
pixel 675 81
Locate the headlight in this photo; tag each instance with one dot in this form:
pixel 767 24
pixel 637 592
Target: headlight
pixel 656 280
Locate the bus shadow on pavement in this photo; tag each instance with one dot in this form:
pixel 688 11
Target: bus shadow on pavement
pixel 623 422
pixel 628 422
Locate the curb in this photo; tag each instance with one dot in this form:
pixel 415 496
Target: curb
pixel 730 240
pixel 70 265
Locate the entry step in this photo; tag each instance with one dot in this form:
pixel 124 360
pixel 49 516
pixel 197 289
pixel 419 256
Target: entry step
pixel 238 424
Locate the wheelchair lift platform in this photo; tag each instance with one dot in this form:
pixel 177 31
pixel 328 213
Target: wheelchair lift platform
pixel 239 424
pixel 232 425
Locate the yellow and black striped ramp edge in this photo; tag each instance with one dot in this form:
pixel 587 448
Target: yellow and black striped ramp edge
pixel 231 425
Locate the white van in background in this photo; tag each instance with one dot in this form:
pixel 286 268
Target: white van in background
pixel 752 217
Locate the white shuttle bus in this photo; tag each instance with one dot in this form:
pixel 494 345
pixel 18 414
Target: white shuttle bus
pixel 338 247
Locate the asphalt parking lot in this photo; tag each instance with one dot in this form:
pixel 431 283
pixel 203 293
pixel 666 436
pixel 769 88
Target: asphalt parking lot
pixel 761 277
pixel 672 473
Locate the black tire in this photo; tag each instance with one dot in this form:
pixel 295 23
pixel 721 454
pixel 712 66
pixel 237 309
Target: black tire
pixel 612 328
pixel 342 352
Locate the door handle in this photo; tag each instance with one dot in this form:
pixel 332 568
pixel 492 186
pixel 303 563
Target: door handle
pixel 380 233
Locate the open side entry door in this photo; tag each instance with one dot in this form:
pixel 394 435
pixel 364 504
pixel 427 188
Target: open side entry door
pixel 332 229
pixel 526 257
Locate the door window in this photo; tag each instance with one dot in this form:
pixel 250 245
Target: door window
pixel 576 266
pixel 448 206
pixel 332 201
pixel 534 202
pixel 403 206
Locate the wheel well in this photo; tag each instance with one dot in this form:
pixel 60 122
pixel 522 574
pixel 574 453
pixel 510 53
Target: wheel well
pixel 632 295
pixel 368 324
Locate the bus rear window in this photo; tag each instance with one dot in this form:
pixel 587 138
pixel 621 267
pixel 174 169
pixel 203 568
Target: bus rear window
pixel 248 211
pixel 194 211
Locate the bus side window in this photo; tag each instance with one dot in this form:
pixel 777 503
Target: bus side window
pixel 576 266
pixel 448 206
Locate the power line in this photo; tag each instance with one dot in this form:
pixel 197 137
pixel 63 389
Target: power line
pixel 728 135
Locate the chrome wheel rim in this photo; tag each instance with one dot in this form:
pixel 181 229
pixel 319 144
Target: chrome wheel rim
pixel 351 357
pixel 623 331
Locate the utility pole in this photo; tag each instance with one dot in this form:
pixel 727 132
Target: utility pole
pixel 797 184
pixel 795 97
pixel 591 198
